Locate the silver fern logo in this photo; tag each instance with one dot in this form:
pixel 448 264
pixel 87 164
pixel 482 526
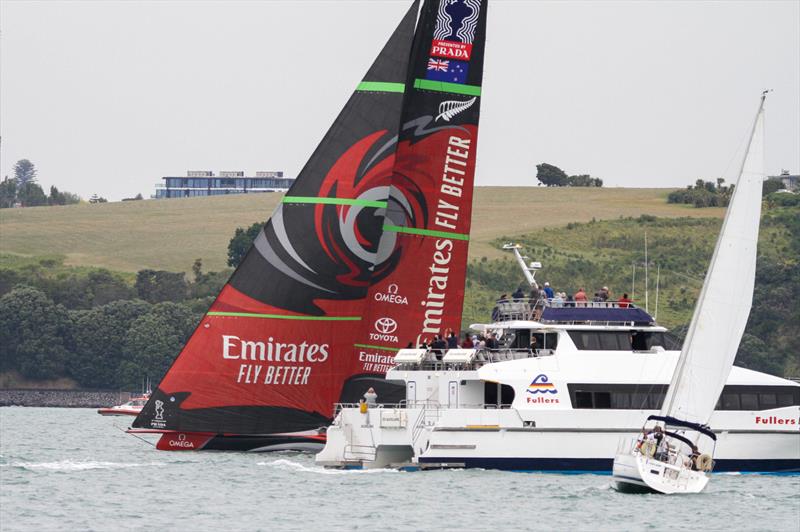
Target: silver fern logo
pixel 450 108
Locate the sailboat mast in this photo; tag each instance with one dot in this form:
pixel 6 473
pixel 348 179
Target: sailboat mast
pixel 646 287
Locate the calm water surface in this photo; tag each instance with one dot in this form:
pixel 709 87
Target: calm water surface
pixel 71 469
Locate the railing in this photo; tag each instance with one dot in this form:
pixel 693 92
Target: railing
pixel 530 309
pixel 432 360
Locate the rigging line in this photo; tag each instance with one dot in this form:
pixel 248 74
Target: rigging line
pixel 134 435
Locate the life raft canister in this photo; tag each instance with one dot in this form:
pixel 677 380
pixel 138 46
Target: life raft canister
pixel 648 448
pixel 703 462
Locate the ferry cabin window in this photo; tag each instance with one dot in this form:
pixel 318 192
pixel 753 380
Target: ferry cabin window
pixel 490 394
pixel 522 339
pixel 617 340
pixel 651 397
pixel 740 397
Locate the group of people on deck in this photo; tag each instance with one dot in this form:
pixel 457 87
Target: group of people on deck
pixel 545 296
pixel 451 340
pixel 654 443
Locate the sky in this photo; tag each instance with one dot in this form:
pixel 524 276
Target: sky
pixel 107 97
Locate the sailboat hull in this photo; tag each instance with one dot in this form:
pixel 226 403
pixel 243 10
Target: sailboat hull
pixel 635 473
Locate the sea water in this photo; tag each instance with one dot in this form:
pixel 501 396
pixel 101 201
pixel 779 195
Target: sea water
pixel 71 469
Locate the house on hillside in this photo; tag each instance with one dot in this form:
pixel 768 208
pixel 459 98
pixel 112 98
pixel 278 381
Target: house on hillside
pixel 205 183
pixel 790 182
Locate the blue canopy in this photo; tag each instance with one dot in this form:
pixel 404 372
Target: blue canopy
pixel 675 422
pixel 635 315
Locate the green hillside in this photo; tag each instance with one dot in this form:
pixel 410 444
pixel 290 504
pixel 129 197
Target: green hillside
pixel 171 234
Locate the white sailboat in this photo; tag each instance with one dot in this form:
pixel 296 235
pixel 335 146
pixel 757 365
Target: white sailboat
pixel 673 454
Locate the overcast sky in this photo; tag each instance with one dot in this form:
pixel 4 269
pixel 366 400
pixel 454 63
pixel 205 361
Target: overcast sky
pixel 108 97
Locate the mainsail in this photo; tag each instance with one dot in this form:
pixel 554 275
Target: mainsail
pixel 430 203
pixel 271 354
pixel 724 304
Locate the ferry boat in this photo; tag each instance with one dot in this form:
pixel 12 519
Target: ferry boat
pixel 598 372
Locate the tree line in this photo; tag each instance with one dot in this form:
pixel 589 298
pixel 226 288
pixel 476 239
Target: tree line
pixel 95 326
pixel 553 176
pixel 23 190
pixel 110 330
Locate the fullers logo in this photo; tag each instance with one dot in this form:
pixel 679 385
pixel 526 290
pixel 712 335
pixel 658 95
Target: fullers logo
pixel 391 296
pixel 384 328
pixel 541 385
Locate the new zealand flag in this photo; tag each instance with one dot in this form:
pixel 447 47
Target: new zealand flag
pixel 447 70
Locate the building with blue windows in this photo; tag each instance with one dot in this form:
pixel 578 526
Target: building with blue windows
pixel 205 183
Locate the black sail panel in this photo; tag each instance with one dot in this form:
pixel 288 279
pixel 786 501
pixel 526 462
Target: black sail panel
pixel 272 352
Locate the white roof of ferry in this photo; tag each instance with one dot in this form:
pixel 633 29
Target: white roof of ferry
pixel 530 324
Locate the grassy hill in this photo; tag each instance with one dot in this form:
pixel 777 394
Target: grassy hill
pixel 170 234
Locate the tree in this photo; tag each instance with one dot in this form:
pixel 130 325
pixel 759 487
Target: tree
pixel 107 287
pixel 153 341
pixel 156 286
pixel 770 186
pixel 35 334
pixel 100 342
pixel 31 195
pixel 8 193
pixel 241 242
pixel 550 175
pixel 62 198
pixel 24 172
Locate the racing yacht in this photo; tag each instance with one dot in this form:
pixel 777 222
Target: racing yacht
pixel 595 375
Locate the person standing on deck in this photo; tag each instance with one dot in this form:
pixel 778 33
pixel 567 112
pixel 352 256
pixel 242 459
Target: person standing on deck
pixel 371 397
pixel 548 292
pixel 580 298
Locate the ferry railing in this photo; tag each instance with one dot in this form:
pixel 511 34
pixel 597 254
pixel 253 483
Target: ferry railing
pixel 483 356
pixel 530 309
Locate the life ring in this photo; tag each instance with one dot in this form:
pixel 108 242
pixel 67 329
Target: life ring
pixel 648 449
pixel 703 462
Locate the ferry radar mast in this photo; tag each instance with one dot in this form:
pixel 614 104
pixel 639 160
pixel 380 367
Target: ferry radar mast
pixel 529 270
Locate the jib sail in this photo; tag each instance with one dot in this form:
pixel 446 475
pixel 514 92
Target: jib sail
pixel 430 203
pixel 271 354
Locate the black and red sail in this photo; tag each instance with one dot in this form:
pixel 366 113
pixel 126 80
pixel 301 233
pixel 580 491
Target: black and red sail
pixel 271 354
pixel 426 232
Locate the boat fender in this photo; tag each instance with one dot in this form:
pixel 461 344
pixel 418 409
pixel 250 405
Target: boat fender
pixel 362 407
pixel 704 462
pixel 648 449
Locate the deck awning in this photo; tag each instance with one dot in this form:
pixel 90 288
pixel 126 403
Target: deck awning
pixel 605 314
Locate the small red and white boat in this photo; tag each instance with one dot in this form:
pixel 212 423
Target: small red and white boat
pixel 131 408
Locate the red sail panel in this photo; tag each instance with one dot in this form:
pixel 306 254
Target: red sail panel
pixel 430 205
pixel 272 353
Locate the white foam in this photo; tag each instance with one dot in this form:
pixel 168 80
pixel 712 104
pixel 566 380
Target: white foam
pixel 70 465
pixel 290 465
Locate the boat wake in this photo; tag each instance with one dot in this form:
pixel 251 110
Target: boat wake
pixel 71 465
pixel 290 465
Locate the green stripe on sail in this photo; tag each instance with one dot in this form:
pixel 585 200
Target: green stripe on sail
pixel 443 86
pixel 425 232
pixel 283 317
pixel 335 201
pixel 381 86
pixel 367 346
